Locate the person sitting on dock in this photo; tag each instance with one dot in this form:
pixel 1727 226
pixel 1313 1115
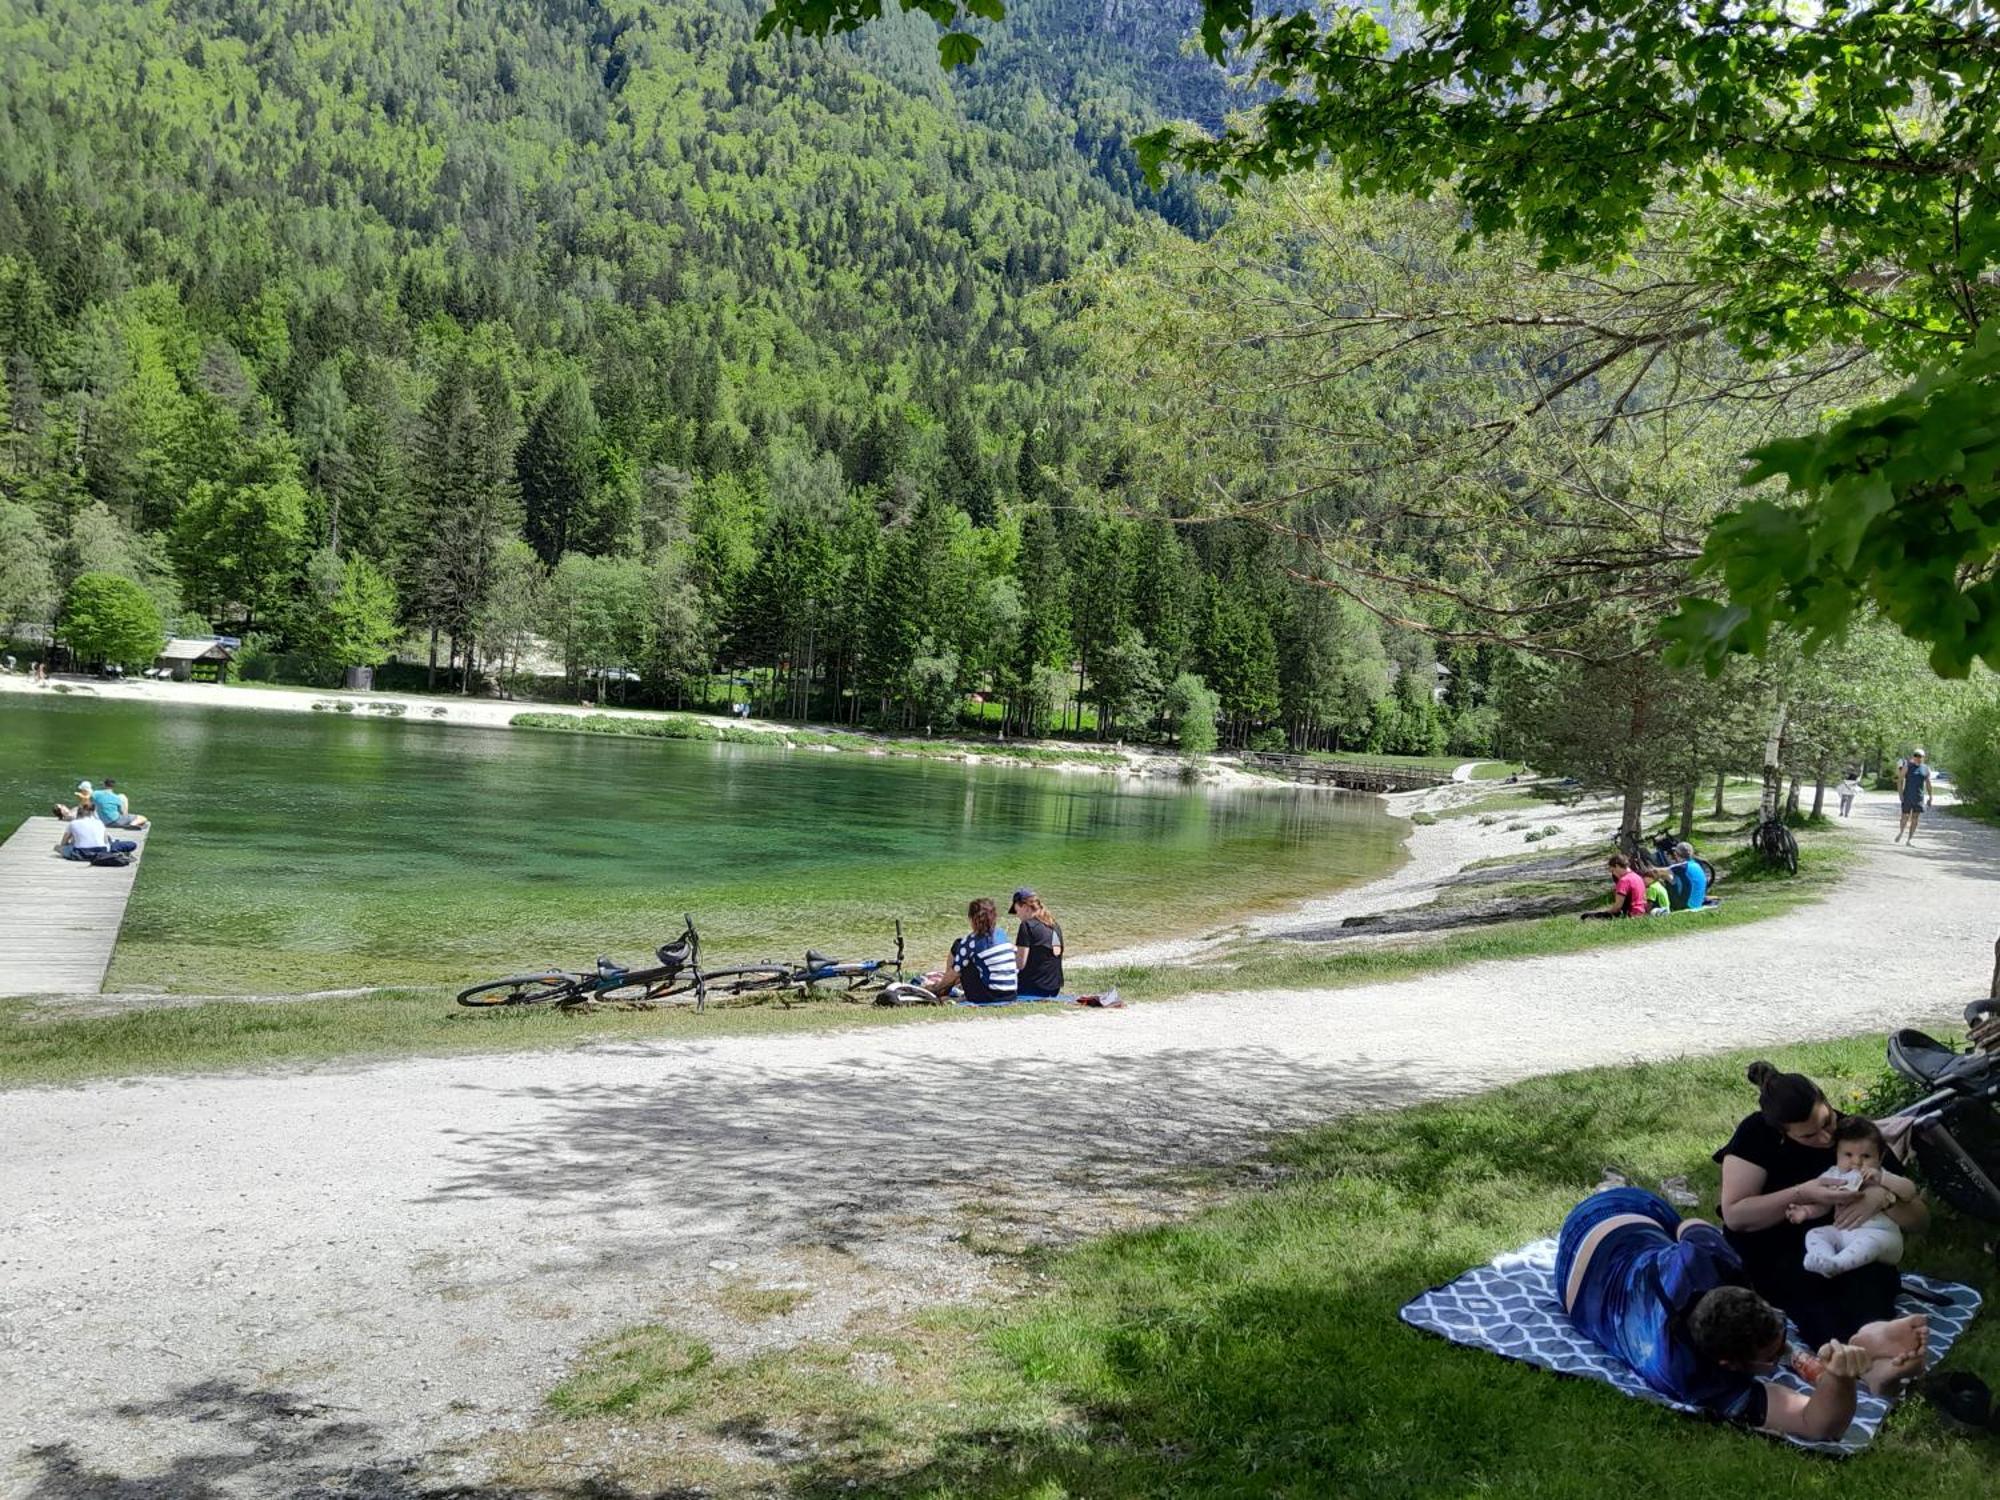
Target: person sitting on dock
pixel 114 808
pixel 84 837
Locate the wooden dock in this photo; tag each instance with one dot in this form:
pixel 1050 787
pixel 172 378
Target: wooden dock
pixel 1356 775
pixel 59 920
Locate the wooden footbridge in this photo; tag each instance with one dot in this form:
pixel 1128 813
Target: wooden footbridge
pixel 59 919
pixel 1356 775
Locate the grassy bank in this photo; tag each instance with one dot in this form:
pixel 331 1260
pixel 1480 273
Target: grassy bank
pixel 1749 892
pixel 1255 1350
pixel 50 1046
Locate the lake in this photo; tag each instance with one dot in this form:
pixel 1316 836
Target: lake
pixel 304 851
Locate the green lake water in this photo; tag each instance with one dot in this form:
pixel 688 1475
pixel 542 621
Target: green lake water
pixel 299 851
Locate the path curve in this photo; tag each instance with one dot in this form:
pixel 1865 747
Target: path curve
pixel 241 1285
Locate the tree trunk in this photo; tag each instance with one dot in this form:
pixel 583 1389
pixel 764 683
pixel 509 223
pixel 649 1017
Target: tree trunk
pixel 1634 811
pixel 1687 812
pixel 431 678
pixel 1819 791
pixel 1721 780
pixel 1792 798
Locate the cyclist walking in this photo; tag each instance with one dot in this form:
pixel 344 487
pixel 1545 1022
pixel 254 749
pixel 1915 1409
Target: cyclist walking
pixel 1914 783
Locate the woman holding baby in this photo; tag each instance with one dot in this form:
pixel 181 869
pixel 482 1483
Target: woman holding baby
pixel 1815 1203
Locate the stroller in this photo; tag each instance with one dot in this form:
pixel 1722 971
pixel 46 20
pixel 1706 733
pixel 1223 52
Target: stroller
pixel 1955 1129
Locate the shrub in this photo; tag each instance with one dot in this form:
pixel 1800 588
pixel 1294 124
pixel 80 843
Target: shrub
pixel 1971 750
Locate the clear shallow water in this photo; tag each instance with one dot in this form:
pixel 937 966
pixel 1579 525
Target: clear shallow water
pixel 305 851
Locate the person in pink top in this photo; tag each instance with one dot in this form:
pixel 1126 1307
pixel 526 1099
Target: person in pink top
pixel 1628 891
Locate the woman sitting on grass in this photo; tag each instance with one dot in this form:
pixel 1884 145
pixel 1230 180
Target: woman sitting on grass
pixel 982 962
pixel 1667 1297
pixel 1773 1163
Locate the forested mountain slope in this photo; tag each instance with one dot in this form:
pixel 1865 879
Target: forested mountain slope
pixel 601 322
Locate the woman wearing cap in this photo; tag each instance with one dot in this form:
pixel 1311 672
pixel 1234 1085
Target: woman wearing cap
pixel 1914 782
pixel 1038 946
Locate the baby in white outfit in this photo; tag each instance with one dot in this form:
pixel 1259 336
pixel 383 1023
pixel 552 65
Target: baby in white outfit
pixel 1858 1152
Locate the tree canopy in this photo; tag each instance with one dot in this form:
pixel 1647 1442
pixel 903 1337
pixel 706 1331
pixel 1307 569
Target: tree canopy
pixel 1827 168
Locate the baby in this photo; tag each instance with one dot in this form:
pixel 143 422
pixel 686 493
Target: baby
pixel 1858 1152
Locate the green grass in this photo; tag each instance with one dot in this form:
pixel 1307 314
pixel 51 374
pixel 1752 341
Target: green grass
pixel 1499 770
pixel 46 1046
pixel 1254 1350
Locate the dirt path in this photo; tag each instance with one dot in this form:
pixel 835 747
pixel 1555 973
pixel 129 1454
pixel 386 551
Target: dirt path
pixel 324 1283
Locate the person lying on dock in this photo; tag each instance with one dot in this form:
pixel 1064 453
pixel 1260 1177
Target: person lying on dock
pixel 84 837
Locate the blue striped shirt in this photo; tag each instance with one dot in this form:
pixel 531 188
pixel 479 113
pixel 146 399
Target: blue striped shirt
pixel 986 966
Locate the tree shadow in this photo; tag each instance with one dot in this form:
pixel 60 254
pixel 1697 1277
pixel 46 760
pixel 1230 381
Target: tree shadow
pixel 867 1153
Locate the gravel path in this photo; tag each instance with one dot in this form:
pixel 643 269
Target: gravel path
pixel 323 1283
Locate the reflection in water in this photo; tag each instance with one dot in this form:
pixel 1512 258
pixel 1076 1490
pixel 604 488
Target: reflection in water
pixel 299 850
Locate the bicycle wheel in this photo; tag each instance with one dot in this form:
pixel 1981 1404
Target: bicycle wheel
pixel 1788 850
pixel 523 989
pixel 750 980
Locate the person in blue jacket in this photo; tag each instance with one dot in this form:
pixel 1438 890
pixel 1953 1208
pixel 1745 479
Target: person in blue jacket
pixel 1669 1298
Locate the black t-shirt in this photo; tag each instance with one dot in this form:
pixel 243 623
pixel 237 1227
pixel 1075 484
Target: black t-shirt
pixel 1042 974
pixel 1775 1252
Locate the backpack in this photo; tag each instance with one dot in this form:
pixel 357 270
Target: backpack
pixel 110 860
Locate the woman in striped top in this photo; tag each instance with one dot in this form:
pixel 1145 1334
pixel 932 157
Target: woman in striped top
pixel 982 962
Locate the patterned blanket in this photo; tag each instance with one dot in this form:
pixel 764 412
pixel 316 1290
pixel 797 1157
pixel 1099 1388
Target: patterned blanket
pixel 1509 1308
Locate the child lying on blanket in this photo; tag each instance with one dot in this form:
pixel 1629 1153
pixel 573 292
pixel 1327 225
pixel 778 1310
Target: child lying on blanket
pixel 1668 1298
pixel 1830 1250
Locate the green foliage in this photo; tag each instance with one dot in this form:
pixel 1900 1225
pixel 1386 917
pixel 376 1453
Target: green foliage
pixel 1900 510
pixel 27 580
pixel 347 615
pixel 1191 712
pixel 106 618
pixel 1970 749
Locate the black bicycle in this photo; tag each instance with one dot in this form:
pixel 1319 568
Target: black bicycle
pixel 678 972
pixel 679 976
pixel 1774 841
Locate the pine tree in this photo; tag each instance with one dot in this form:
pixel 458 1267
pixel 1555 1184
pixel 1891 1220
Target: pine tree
pixel 558 472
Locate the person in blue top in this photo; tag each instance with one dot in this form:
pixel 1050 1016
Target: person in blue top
pixel 982 962
pixel 1693 878
pixel 1914 783
pixel 1669 1298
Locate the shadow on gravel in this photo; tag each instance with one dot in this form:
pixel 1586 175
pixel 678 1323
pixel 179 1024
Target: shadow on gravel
pixel 858 1140
pixel 271 1445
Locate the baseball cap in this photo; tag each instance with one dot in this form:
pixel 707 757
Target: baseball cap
pixel 83 786
pixel 1021 897
pixel 1918 751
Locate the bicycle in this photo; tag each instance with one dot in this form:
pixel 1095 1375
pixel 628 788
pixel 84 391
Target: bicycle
pixel 678 972
pixel 1774 841
pixel 849 977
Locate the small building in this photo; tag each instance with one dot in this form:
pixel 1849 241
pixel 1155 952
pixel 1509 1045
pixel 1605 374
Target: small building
pixel 198 658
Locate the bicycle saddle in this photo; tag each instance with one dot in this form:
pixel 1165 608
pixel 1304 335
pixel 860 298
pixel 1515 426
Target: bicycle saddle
pixel 819 960
pixel 606 966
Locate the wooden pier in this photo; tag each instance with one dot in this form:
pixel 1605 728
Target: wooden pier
pixel 1356 775
pixel 59 919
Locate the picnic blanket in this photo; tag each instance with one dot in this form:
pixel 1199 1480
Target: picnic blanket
pixel 1509 1308
pixel 1107 1001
